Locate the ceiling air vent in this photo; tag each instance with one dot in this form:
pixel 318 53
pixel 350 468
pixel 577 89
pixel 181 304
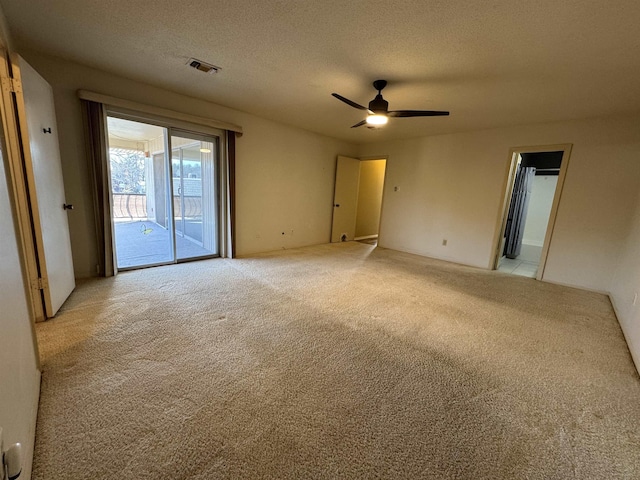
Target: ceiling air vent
pixel 202 66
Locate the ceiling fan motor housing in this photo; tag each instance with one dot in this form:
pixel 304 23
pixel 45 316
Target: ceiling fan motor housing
pixel 379 104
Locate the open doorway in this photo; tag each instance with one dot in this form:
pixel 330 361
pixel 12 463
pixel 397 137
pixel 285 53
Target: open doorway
pixel 370 190
pixel 536 176
pixel 358 199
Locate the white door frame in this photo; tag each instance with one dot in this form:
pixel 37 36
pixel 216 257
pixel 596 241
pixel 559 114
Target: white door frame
pixel 19 182
pixel 507 190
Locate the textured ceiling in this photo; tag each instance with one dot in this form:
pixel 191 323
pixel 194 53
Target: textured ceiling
pixel 491 63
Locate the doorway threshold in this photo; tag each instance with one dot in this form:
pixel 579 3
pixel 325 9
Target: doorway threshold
pixel 369 240
pixel 519 267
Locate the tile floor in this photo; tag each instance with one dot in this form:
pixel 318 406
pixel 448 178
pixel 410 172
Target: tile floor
pixel 516 266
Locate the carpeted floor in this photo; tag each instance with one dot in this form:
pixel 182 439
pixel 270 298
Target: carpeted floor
pixel 335 362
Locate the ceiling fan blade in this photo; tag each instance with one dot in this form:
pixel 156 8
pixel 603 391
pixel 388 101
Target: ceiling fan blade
pixel 359 124
pixel 416 113
pixel 349 102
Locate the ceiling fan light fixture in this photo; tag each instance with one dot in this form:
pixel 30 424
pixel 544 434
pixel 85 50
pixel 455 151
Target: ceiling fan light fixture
pixel 379 112
pixel 377 119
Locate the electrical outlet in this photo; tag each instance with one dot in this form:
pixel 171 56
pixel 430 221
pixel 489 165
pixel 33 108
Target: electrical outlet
pixel 444 242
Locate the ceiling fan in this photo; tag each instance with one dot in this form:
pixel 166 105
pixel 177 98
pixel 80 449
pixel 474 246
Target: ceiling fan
pixel 379 108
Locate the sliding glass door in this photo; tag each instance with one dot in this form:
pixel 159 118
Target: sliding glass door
pixel 195 174
pixel 139 170
pixel 164 207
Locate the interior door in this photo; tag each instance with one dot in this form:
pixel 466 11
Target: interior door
pixel 38 129
pixel 345 200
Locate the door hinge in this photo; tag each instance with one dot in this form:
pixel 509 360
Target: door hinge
pixel 11 85
pixel 39 284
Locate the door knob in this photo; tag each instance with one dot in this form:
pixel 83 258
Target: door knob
pixel 67 206
pixel 337 205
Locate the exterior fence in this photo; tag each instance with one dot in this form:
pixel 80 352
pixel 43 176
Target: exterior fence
pixel 133 206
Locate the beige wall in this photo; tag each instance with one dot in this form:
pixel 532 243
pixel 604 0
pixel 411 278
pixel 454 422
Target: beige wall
pixel 450 187
pixel 5 36
pixel 19 375
pixel 285 184
pixel 626 285
pixel 370 197
pixel 284 175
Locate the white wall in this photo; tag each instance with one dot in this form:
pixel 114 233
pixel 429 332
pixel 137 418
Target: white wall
pixel 19 375
pixel 285 175
pixel 450 187
pixel 540 202
pixel 626 284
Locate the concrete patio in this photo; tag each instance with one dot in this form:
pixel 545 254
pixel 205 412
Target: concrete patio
pixel 144 242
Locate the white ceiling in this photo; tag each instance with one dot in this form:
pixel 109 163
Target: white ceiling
pixel 491 63
pixel 133 131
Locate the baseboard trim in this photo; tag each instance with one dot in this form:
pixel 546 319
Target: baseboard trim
pixel 366 237
pixel 433 256
pixel 579 287
pixel 29 448
pixel 630 345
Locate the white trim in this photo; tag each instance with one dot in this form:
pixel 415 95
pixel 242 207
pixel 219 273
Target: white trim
pixel 627 338
pixel 566 154
pixel 157 111
pixel 366 237
pixel 31 445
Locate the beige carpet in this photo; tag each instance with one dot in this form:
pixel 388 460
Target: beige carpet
pixel 335 362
